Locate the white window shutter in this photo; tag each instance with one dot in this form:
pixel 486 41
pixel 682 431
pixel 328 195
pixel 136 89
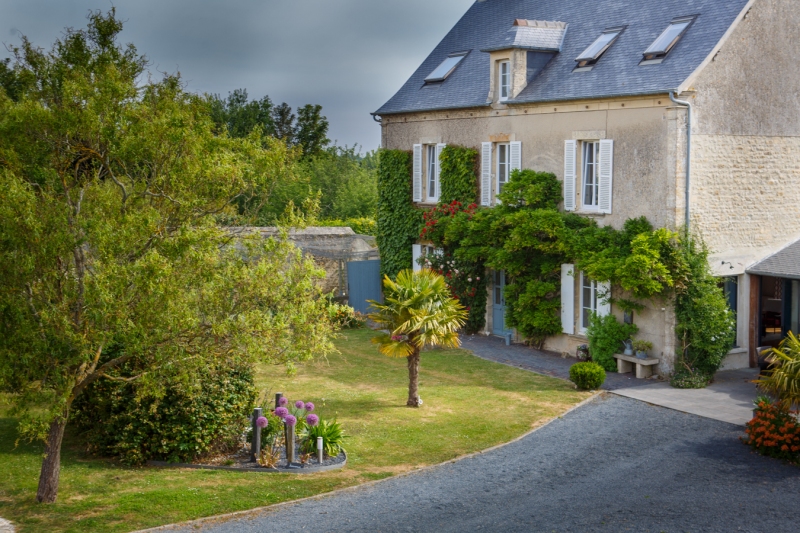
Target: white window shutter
pixel 417 182
pixel 570 163
pixel 416 253
pixel 439 148
pixel 515 156
pixel 568 299
pixel 486 174
pixel 603 299
pixel 606 174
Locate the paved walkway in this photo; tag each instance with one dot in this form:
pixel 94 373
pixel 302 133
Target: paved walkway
pixel 613 465
pixel 728 399
pixel 5 526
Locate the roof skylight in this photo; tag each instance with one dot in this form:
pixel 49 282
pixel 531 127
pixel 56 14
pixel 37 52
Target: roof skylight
pixel 591 55
pixel 668 39
pixel 446 67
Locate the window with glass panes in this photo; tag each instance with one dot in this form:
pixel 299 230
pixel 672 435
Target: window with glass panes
pixel 432 162
pixel 505 80
pixel 503 165
pixel 591 186
pixel 588 300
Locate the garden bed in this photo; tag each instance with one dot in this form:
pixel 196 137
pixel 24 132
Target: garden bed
pixel 240 462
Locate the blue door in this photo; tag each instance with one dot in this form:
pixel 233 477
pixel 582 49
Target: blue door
pixel 364 283
pixel 499 304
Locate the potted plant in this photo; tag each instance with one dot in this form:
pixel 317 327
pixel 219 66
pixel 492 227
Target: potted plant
pixel 642 347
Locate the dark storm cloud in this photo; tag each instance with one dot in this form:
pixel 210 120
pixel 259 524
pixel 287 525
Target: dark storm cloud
pixel 348 55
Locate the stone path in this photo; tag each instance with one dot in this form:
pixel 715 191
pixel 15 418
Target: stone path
pixel 5 526
pixel 613 465
pixel 728 399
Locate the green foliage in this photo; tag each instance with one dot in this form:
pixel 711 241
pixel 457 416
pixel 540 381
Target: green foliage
pixel 187 420
pixel 459 175
pixel 606 335
pixel 361 226
pixel 775 432
pixel 332 434
pixel 642 346
pixel 782 380
pixel 587 376
pixel 344 316
pixel 110 197
pixel 705 326
pixel 684 378
pixel 398 221
pixel 312 130
pixel 239 116
pixel 348 183
pixel 419 311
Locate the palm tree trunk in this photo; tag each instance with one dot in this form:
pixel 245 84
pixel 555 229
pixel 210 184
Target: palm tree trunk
pixel 51 464
pixel 413 379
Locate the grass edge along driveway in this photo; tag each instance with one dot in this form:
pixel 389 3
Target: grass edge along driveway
pixel 469 405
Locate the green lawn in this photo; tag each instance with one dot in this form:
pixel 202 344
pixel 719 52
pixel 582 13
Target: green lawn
pixel 469 404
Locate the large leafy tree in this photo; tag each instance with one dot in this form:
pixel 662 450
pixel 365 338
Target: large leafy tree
pixel 240 116
pixel 312 129
pixel 111 189
pixel 418 311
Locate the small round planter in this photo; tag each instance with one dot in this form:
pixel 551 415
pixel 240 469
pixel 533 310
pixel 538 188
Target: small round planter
pixel 641 355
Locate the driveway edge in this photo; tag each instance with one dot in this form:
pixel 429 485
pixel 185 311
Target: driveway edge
pixel 269 508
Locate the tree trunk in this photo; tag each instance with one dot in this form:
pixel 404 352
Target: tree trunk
pixel 413 380
pixel 51 464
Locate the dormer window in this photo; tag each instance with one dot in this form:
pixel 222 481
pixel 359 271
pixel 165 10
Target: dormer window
pixel 592 55
pixel 667 40
pixel 504 75
pixel 446 68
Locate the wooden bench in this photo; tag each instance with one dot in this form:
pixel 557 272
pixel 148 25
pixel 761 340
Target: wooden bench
pixel 644 367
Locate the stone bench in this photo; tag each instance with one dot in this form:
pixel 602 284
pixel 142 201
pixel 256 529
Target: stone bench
pixel 644 367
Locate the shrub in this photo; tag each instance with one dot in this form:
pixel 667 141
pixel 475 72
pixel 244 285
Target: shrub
pixel 458 174
pixel 361 226
pixel 690 378
pixel 587 376
pixel 783 377
pixel 189 420
pixel 606 335
pixel 774 432
pixel 332 438
pixel 345 317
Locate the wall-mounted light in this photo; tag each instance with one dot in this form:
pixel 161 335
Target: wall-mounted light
pixel 727 263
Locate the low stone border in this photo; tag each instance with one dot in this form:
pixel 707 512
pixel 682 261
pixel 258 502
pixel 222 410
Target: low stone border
pixel 199 522
pixel 306 469
pixel 5 526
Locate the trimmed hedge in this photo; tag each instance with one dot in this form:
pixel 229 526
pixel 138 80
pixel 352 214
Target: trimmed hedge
pixel 188 421
pixel 587 376
pixel 398 222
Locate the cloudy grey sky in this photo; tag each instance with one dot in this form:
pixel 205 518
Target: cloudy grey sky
pixel 350 56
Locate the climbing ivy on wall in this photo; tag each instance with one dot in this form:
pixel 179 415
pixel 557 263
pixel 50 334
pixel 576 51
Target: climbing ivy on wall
pixel 458 173
pixel 398 221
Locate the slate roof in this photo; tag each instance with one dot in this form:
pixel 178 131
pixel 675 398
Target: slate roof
pixel 783 264
pixel 618 72
pixel 535 35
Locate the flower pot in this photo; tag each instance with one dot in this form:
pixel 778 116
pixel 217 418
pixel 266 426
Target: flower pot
pixel 641 355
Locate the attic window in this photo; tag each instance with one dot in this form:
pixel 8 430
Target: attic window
pixel 446 68
pixel 591 55
pixel 667 40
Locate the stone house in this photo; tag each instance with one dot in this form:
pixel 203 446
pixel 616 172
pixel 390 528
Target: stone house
pixel 603 93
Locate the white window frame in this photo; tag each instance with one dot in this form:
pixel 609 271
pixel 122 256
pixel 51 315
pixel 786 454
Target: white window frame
pixel 594 304
pixel 504 80
pixel 590 168
pixel 502 166
pixel 431 173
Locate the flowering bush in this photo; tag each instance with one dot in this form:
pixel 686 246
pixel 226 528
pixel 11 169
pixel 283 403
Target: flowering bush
pixel 774 432
pixel 466 278
pixel 345 317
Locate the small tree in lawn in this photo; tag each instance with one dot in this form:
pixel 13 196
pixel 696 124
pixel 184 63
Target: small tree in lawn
pixel 419 311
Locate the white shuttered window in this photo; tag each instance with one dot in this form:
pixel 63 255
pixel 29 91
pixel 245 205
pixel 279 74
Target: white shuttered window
pixel 605 175
pixel 417 178
pixel 570 156
pixel 568 299
pixel 486 174
pixel 416 253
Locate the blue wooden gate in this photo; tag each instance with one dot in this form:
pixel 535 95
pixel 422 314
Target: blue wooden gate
pixel 364 283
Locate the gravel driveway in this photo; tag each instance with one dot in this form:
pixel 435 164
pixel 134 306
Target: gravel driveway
pixel 615 464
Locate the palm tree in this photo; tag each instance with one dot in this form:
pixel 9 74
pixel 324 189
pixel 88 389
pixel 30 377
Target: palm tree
pixel 418 311
pixel 782 380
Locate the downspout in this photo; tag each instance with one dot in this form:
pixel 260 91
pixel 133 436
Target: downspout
pixel 688 106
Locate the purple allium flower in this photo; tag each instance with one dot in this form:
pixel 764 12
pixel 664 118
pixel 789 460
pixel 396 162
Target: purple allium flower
pixel 309 407
pixel 312 420
pixel 262 422
pixel 290 420
pixel 300 404
pixel 281 412
pixel 283 401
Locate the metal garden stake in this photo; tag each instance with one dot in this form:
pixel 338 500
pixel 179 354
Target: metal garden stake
pixel 255 443
pixel 319 449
